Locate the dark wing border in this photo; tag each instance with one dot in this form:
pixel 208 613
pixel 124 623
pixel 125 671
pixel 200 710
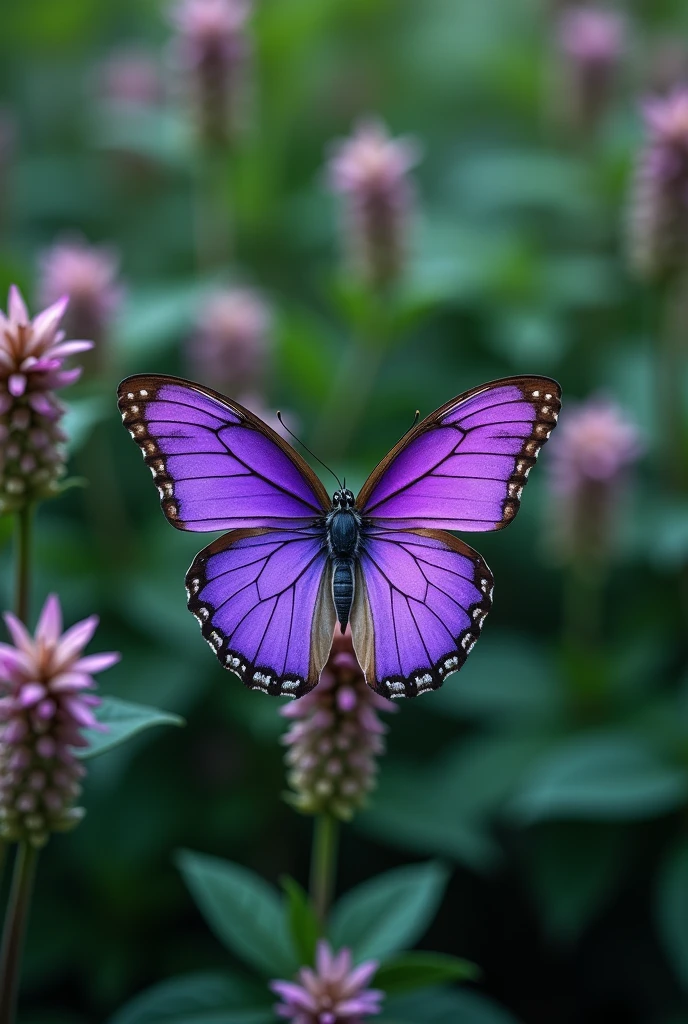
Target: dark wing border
pixel 135 391
pixel 543 392
pixel 425 678
pixel 255 676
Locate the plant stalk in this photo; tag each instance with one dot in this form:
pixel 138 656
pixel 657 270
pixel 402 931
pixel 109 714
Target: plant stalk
pixel 15 930
pixel 23 563
pixel 323 864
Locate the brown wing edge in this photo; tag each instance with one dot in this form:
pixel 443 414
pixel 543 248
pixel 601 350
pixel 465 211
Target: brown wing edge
pixel 545 392
pixel 132 395
pixel 425 678
pixel 260 677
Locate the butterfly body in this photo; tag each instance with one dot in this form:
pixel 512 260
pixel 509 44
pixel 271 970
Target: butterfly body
pixel 343 525
pixel 268 594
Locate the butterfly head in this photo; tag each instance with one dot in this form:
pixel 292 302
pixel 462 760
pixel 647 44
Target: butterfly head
pixel 343 499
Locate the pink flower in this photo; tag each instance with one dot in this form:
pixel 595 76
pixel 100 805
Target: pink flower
pixel 212 52
pixel 590 459
pixel 592 42
pixel 88 276
pixel 32 353
pixel 370 169
pixel 45 702
pixel 335 737
pixel 231 345
pixel 130 76
pixel 333 993
pixel 659 200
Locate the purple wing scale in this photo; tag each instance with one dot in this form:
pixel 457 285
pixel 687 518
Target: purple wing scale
pixel 263 602
pixel 216 466
pixel 421 601
pixel 465 466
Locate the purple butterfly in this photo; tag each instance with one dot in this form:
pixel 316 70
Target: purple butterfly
pixel 268 594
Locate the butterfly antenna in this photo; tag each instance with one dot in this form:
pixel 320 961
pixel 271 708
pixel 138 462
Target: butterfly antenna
pixel 279 417
pixel 415 420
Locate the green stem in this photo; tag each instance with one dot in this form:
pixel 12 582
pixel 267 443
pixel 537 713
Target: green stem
pixel 22 592
pixel 15 929
pixel 355 381
pixel 213 227
pixel 323 863
pixel 672 366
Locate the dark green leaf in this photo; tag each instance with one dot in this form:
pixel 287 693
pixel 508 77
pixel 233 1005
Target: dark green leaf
pixel 123 720
pixel 245 913
pixel 202 998
pixel 303 923
pixel 672 907
pixel 601 776
pixel 390 912
pixel 442 1006
pixel 410 971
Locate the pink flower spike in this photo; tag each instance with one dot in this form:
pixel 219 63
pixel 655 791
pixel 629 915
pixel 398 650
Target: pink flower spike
pixel 50 622
pixel 19 314
pixel 16 384
pixel 333 993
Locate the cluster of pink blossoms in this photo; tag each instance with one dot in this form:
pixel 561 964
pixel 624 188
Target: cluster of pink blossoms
pixel 335 737
pixel 371 171
pixel 45 702
pixel 32 353
pixel 334 993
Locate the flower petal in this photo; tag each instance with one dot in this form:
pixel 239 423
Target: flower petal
pixel 46 323
pixel 97 662
pixel 73 642
pixel 19 633
pixel 70 348
pixel 16 306
pixel 49 625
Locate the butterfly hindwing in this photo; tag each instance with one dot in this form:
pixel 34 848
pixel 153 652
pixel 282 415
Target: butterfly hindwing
pixel 464 467
pixel 421 600
pixel 216 465
pixel 263 600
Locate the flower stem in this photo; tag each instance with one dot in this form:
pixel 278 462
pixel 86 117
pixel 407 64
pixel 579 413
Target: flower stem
pixel 213 226
pixel 672 363
pixel 23 547
pixel 323 864
pixel 14 930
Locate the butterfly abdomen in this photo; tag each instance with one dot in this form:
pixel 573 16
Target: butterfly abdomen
pixel 343 589
pixel 343 538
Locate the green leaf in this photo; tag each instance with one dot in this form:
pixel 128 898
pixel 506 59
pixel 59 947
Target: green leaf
pixel 303 924
pixel 410 971
pixel 201 998
pixel 672 907
pixel 245 912
pixel 123 720
pixel 445 1006
pixel 390 912
pixel 601 776
pixel 575 868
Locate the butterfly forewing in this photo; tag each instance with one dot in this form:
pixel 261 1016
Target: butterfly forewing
pixel 465 466
pixel 216 465
pixel 421 601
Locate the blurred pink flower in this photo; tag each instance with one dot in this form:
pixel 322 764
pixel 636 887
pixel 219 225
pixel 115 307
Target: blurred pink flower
pixel 333 993
pixel 335 737
pixel 44 705
pixel 659 200
pixel 88 276
pixel 592 42
pixel 130 76
pixel 370 169
pixel 591 455
pixel 212 51
pixel 231 345
pixel 32 353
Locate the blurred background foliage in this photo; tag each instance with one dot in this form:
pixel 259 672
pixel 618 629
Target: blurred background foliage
pixel 552 774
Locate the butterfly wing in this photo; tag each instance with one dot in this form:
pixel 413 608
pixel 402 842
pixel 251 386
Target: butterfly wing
pixel 464 467
pixel 421 600
pixel 263 599
pixel 216 465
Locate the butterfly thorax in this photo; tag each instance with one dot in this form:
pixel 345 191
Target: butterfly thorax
pixel 343 527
